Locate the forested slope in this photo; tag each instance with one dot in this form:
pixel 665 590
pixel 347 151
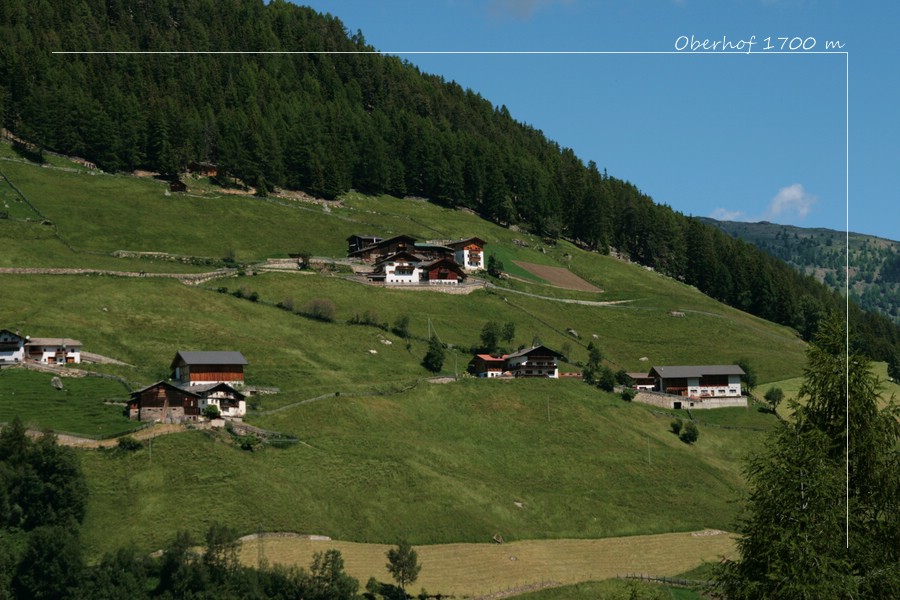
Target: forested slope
pixel 326 123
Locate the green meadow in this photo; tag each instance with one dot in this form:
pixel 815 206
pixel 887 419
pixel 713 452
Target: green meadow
pixel 384 454
pixel 83 406
pixel 435 464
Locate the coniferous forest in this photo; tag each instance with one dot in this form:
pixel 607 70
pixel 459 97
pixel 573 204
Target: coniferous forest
pixel 328 123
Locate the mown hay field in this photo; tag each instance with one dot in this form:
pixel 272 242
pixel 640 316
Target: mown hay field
pixel 476 569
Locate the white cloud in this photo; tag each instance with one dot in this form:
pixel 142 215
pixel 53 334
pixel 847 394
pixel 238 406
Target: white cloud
pixel 790 201
pixel 521 9
pixel 723 214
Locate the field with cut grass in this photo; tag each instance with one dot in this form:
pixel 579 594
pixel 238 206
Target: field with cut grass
pixel 476 569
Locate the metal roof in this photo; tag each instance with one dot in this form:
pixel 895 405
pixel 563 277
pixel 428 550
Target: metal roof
pixel 166 384
pixel 200 389
pixel 696 371
pixel 52 342
pixel 536 350
pixel 210 358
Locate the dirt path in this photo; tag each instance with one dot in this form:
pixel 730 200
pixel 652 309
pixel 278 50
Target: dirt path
pixel 143 434
pixel 563 300
pixel 189 278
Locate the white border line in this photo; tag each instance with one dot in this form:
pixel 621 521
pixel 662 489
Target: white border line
pixel 845 53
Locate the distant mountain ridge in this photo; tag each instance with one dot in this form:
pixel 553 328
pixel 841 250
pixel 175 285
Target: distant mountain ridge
pixel 874 262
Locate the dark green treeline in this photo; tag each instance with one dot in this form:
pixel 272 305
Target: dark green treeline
pixel 326 123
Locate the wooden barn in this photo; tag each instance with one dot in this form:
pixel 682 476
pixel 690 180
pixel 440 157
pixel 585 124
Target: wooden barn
pixel 382 248
pixel 165 403
pixel 443 271
pixel 201 368
pixel 357 242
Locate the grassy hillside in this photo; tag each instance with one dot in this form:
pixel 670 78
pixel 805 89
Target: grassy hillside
pixel 83 405
pixel 434 463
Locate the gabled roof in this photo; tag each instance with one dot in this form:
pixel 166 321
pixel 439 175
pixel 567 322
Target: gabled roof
pixel 449 262
pixel 12 334
pixel 542 350
pixel 209 358
pixel 639 375
pixel 136 393
pixel 364 237
pixel 696 371
pixel 430 246
pixel 53 342
pixel 409 240
pixel 205 388
pixel 489 358
pixel 467 241
pixel 402 255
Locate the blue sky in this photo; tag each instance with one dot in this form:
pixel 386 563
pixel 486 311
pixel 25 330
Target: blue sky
pixel 742 136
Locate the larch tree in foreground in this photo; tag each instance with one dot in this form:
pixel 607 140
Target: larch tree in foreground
pixel 822 519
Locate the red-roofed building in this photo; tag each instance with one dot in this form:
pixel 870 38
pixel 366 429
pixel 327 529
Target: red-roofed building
pixel 469 253
pixel 443 271
pixel 485 365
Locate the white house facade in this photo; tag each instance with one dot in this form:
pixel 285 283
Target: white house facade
pixel 229 401
pixel 707 381
pixel 12 347
pixel 539 361
pixel 53 351
pixel 469 253
pixel 401 268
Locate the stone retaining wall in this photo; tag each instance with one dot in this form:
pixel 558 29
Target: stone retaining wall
pixel 669 400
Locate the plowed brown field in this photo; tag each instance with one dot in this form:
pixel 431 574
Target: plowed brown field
pixel 559 277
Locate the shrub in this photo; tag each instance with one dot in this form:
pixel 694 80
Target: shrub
pixel 607 379
pixel 319 308
pixel 774 396
pixel 628 394
pixel 249 442
pixel 401 326
pixel 129 444
pixel 211 411
pixel 676 426
pixel 689 433
pixel 623 378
